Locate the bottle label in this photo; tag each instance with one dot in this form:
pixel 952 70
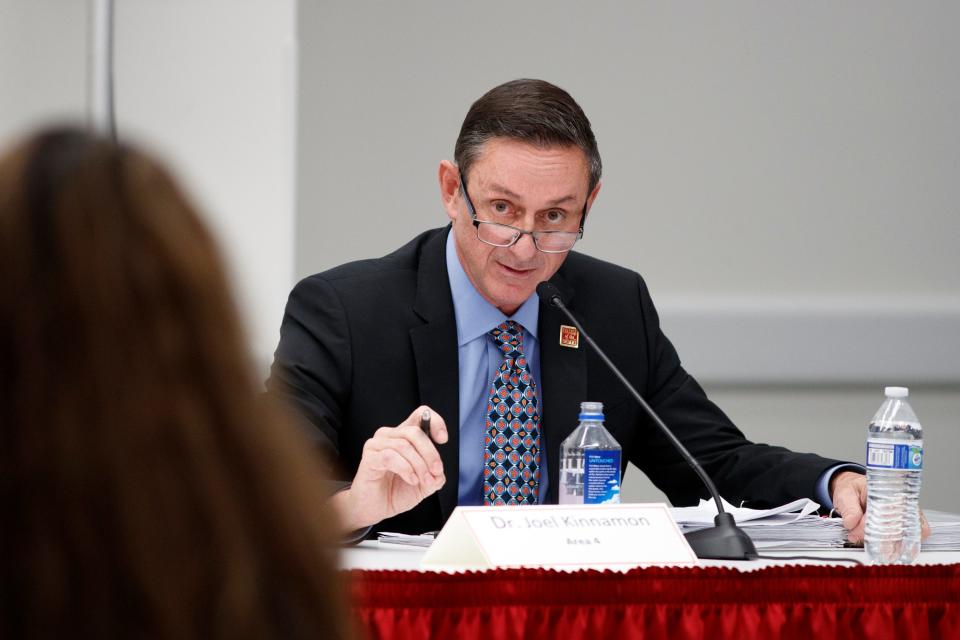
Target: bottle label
pixel 601 476
pixel 887 454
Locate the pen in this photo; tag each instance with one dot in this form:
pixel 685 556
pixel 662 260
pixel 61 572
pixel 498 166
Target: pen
pixel 425 422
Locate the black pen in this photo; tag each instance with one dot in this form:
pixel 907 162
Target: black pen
pixel 425 422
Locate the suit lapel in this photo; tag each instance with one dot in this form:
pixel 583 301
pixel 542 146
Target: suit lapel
pixel 435 351
pixel 564 382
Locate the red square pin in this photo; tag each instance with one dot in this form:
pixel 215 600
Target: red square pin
pixel 569 337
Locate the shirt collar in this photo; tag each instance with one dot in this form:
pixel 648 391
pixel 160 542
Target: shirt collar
pixel 475 316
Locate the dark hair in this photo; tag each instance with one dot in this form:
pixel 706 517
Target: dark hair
pixel 145 487
pixel 534 111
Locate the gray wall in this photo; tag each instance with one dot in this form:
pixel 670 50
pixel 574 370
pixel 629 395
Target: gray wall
pixel 784 176
pixel 208 85
pixel 42 64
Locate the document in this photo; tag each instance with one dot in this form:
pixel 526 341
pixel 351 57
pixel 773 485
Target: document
pixel 796 526
pixel 421 540
pixel 944 531
pixel 705 512
pixel 793 526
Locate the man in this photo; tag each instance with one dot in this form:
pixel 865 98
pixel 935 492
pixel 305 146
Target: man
pixel 446 322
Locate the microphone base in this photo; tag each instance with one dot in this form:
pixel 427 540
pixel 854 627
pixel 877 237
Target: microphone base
pixel 723 541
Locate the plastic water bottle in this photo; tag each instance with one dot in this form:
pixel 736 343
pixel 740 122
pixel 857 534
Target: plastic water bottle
pixel 894 467
pixel 590 461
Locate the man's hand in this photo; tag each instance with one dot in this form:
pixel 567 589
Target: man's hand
pixel 399 467
pixel 848 489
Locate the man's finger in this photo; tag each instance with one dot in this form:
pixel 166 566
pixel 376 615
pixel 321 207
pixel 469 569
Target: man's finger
pixel 924 526
pixel 423 445
pixel 424 416
pixel 847 504
pixel 413 446
pixel 430 424
pixel 388 460
pixel 400 443
pixel 424 455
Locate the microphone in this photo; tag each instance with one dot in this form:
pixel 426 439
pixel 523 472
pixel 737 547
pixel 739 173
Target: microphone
pixel 723 541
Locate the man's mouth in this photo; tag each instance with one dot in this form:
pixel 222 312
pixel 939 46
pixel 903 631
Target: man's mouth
pixel 516 272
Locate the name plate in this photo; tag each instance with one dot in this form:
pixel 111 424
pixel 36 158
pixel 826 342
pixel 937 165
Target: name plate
pixel 559 536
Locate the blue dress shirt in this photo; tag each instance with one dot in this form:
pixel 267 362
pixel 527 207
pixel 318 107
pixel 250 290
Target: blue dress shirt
pixel 479 360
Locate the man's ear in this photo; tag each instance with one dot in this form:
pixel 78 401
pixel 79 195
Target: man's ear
pixel 449 176
pixel 593 196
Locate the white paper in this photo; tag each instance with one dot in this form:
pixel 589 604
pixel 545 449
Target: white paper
pixel 421 540
pixel 705 512
pixel 795 526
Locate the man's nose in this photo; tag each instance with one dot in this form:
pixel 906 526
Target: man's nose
pixel 525 248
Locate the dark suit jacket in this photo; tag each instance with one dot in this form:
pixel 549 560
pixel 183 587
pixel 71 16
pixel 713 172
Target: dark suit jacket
pixel 363 344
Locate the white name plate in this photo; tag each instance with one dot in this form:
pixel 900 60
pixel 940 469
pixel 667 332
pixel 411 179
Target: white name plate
pixel 559 536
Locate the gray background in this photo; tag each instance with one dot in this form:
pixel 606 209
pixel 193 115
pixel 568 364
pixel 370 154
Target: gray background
pixel 749 148
pixel 210 86
pixel 783 174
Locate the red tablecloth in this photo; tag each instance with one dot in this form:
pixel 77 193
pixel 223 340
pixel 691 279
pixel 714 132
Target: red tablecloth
pixel 787 602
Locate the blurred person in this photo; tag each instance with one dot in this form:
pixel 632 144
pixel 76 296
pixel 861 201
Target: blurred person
pixel 144 486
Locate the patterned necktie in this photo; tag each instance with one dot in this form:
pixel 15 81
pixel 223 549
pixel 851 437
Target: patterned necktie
pixel 511 446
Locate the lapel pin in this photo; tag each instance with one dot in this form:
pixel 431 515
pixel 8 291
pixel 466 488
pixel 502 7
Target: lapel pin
pixel 569 337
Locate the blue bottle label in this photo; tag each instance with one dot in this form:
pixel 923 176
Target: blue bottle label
pixel 601 476
pixel 889 455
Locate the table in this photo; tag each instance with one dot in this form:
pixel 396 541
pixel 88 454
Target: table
pixel 763 599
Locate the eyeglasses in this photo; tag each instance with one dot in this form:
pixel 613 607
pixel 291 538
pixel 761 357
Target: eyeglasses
pixel 503 235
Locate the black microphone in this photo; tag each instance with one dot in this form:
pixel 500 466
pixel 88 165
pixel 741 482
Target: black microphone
pixel 724 541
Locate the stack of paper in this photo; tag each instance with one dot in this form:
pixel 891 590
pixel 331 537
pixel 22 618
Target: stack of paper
pixel 796 526
pixel 422 540
pixel 791 526
pixel 944 531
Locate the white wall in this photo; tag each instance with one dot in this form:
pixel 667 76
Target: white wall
pixel 42 64
pixel 832 420
pixel 783 174
pixel 778 172
pixel 211 87
pixel 787 165
pixel 750 148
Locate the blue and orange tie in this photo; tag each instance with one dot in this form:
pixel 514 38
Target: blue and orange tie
pixel 511 445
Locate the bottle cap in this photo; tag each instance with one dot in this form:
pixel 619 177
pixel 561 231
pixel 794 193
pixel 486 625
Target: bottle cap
pixel 591 411
pixel 896 392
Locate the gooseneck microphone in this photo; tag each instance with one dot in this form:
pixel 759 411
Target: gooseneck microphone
pixel 723 541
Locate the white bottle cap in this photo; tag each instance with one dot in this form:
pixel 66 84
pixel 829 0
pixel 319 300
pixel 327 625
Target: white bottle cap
pixel 896 392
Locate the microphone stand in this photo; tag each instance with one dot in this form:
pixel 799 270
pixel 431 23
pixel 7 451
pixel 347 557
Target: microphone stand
pixel 725 540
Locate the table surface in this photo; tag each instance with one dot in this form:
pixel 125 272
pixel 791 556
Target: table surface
pixel 372 555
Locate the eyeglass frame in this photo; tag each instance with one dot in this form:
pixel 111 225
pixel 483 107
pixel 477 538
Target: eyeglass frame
pixel 519 233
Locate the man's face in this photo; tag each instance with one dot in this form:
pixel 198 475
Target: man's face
pixel 528 187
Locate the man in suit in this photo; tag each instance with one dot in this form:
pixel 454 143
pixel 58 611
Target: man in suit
pixel 452 319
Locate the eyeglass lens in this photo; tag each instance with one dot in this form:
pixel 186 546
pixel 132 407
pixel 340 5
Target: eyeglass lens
pixel 502 235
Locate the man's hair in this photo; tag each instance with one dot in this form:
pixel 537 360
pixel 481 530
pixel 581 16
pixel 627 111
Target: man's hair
pixel 145 487
pixel 533 111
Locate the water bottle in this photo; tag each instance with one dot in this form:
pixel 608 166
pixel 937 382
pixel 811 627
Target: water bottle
pixel 590 461
pixel 894 466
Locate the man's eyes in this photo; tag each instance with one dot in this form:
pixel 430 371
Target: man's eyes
pixel 503 209
pixel 555 216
